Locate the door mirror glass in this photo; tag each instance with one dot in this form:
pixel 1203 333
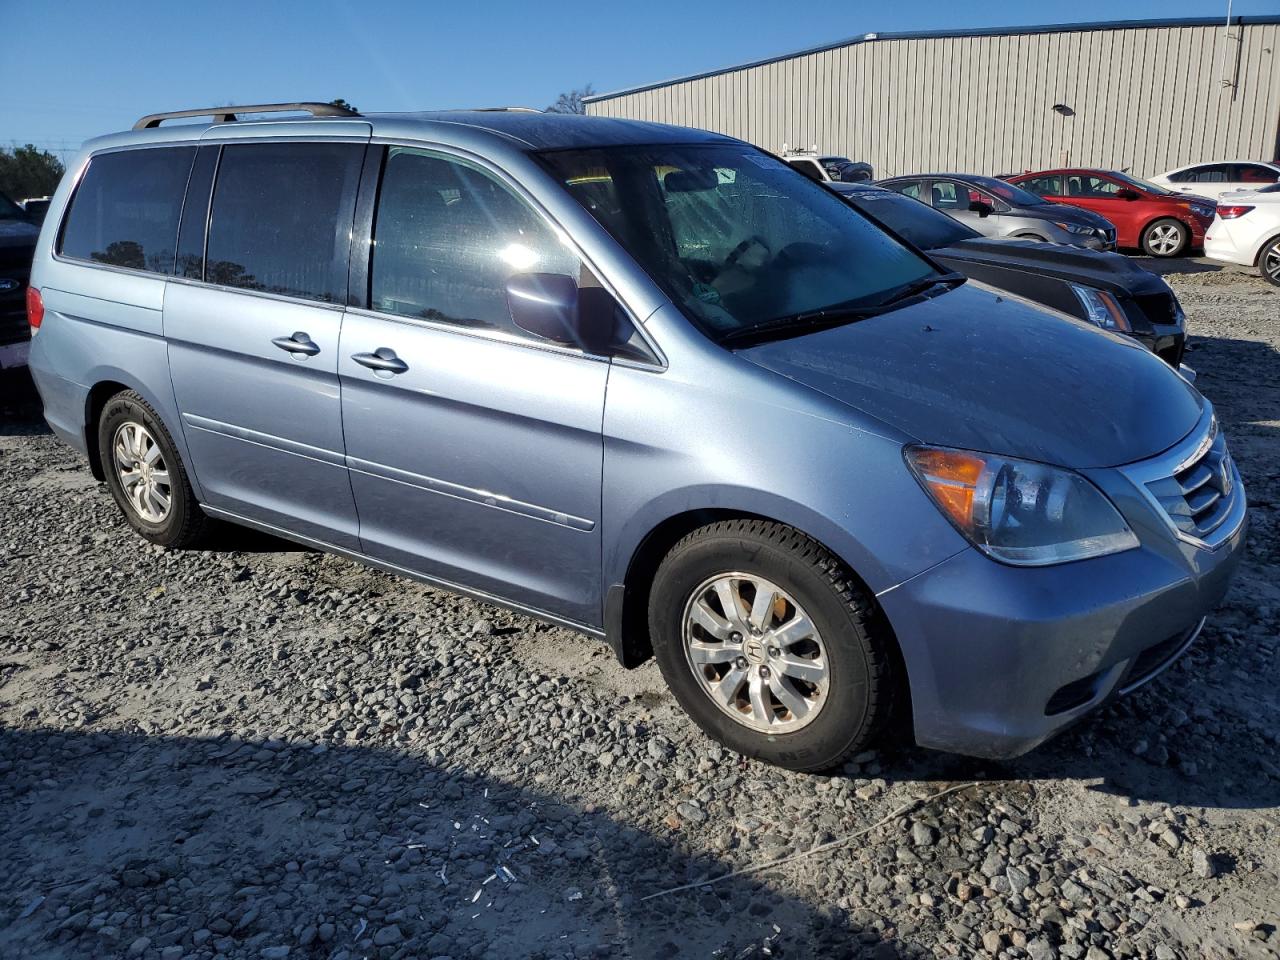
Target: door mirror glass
pixel 1126 193
pixel 551 306
pixel 545 305
pixel 980 207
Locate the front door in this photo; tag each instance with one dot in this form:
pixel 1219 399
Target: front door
pixel 475 450
pixel 253 330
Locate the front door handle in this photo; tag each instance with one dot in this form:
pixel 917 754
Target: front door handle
pixel 300 345
pixel 382 360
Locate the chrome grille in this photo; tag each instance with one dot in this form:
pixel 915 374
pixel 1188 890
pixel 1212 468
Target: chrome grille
pixel 1200 493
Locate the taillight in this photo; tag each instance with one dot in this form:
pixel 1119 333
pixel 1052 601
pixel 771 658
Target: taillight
pixel 35 308
pixel 1230 213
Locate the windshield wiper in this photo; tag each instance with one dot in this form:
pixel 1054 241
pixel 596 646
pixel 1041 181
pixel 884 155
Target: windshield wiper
pixel 811 320
pixel 806 322
pixel 923 285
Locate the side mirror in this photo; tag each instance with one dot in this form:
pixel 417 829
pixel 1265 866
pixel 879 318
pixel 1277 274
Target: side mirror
pixel 980 207
pixel 551 307
pixel 1127 193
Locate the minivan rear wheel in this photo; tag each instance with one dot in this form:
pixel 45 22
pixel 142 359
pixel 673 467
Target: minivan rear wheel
pixel 771 645
pixel 1165 238
pixel 145 475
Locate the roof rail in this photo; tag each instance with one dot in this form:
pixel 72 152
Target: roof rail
pixel 505 110
pixel 228 114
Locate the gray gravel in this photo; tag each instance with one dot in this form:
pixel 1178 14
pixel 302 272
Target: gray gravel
pixel 257 751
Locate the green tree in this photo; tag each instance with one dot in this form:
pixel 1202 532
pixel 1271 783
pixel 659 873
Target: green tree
pixel 28 172
pixel 571 102
pixel 339 102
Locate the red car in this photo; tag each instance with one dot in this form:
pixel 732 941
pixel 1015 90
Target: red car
pixel 1162 223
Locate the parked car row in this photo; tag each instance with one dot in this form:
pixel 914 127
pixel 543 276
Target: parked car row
pixel 18 235
pixel 1106 289
pixel 648 383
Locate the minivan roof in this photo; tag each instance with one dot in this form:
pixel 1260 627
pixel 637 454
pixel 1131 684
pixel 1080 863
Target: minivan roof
pixel 525 130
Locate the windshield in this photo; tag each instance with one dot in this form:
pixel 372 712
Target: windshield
pixel 737 238
pixel 912 219
pixel 1140 184
pixel 10 210
pixel 1010 193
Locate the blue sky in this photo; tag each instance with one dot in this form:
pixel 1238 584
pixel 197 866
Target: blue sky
pixel 72 69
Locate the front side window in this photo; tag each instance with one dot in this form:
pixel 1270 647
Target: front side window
pixel 281 218
pixel 447 236
pixel 125 210
pixel 949 196
pixel 1049 186
pixel 738 240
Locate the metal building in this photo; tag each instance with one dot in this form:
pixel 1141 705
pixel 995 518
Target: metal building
pixel 1142 95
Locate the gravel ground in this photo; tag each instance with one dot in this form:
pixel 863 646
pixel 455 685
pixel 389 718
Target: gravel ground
pixel 258 751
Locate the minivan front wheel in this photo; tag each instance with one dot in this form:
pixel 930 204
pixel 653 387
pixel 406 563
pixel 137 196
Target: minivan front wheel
pixel 144 474
pixel 770 645
pixel 1165 238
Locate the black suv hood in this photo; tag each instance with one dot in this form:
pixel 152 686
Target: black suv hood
pixel 1107 271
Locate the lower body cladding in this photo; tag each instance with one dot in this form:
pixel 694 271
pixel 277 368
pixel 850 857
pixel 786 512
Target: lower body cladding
pixel 1001 658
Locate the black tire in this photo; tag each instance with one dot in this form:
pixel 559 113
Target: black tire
pixel 1269 262
pixel 857 639
pixel 1153 244
pixel 184 524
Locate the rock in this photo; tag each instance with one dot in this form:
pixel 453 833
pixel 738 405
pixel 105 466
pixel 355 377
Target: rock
pixel 923 835
pixel 139 946
pixel 274 953
pixel 482 627
pixel 1040 949
pixel 387 936
pixel 992 942
pixel 1202 864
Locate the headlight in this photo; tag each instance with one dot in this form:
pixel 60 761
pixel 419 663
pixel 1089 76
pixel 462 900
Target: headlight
pixel 1074 228
pixel 1203 211
pixel 1101 308
pixel 1019 512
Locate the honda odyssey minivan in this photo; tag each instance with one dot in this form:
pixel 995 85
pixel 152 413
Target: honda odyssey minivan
pixel 646 382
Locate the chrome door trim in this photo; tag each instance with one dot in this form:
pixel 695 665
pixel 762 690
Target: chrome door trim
pixel 484 498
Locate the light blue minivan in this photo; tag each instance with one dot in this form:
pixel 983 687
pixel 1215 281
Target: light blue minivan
pixel 646 382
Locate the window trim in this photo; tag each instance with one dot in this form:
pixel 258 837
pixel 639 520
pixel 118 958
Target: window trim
pixel 56 247
pixel 448 151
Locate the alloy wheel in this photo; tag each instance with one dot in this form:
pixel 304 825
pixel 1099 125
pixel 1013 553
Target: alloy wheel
pixel 756 653
pixel 142 472
pixel 1165 239
pixel 1270 263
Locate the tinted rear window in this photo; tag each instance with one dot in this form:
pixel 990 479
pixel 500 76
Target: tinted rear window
pixel 282 218
pixel 125 210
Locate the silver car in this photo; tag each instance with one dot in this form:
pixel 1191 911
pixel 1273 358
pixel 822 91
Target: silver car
pixel 1002 210
pixel 648 383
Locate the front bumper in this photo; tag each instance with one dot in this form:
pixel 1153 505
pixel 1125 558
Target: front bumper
pixel 1001 658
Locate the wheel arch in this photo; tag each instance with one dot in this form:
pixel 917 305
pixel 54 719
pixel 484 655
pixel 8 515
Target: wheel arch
pixel 627 597
pixel 107 383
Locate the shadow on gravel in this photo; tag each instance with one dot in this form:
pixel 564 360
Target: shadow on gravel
pixel 20 407
pixel 1165 267
pixel 244 846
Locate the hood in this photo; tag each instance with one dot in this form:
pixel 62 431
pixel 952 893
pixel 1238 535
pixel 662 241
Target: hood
pixel 1067 214
pixel 976 370
pixel 1107 271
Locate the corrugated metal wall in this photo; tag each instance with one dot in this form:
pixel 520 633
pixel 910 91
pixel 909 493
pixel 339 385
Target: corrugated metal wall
pixel 1146 99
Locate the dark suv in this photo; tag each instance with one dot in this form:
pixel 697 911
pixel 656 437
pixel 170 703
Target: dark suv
pixel 18 235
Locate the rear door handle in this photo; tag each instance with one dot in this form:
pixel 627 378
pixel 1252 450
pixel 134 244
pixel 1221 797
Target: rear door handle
pixel 382 360
pixel 299 344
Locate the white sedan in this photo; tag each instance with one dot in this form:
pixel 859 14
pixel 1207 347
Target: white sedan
pixel 1215 179
pixel 1246 230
